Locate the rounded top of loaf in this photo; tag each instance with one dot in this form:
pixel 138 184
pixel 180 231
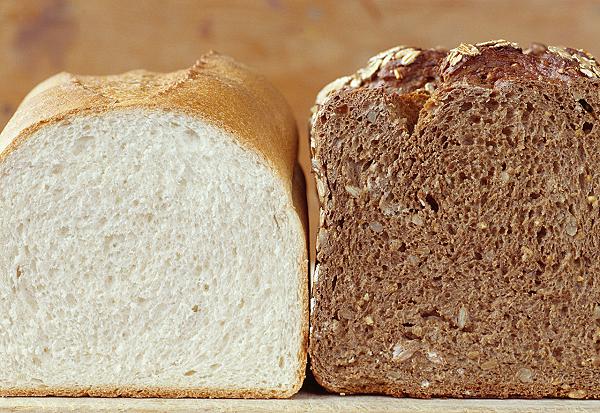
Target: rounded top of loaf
pixel 405 67
pixel 216 88
pixel 497 59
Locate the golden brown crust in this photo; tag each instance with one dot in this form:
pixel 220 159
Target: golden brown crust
pixel 141 392
pixel 299 199
pixel 216 89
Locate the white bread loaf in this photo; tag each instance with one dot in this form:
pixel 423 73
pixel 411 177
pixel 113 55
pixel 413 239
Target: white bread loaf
pixel 153 238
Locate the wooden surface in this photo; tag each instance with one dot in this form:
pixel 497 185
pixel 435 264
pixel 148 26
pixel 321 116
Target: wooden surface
pixel 300 45
pixel 300 403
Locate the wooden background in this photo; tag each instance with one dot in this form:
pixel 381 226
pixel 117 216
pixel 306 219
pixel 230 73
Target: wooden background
pixel 299 45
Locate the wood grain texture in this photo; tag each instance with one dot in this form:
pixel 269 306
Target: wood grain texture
pixel 300 45
pixel 303 402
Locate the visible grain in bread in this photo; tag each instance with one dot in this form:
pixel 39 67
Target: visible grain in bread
pixel 399 230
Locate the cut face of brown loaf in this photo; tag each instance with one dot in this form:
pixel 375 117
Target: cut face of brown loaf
pixel 459 242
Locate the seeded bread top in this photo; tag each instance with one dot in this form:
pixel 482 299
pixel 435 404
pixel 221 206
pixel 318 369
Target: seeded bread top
pixel 493 60
pixel 406 67
pixel 458 224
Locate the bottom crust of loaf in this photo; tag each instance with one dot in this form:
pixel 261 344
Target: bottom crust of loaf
pixel 485 391
pixel 148 392
pixel 457 254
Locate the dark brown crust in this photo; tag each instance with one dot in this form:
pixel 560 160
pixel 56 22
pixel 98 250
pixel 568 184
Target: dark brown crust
pixel 536 63
pixel 483 65
pixel 216 89
pixel 403 78
pixel 402 68
pixel 406 78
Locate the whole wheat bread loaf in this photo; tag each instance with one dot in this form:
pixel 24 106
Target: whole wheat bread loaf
pixel 135 212
pixel 458 252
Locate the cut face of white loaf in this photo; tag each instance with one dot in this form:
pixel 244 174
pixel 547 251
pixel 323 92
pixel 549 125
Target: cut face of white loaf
pixel 147 250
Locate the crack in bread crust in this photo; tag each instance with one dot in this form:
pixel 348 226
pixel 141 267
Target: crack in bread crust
pixel 401 271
